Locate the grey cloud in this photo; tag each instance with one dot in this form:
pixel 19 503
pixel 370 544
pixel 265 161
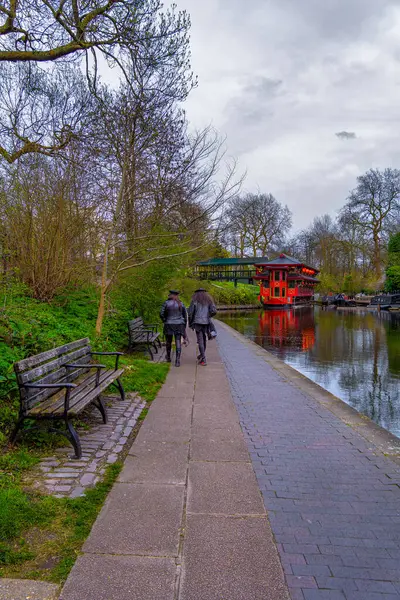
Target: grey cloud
pixel 255 100
pixel 346 135
pixel 328 18
pixel 337 18
pixel 289 74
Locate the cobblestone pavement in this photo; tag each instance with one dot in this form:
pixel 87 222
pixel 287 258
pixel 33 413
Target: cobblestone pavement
pixel 333 500
pixel 101 445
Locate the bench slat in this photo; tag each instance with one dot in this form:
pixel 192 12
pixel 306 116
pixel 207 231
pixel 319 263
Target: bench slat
pixel 84 387
pixel 80 405
pixel 57 400
pixel 80 397
pixel 33 361
pixel 62 375
pixel 34 374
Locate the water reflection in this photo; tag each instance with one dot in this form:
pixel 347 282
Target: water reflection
pixel 354 355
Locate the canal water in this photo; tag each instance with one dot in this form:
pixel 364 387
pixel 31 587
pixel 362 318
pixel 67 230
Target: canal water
pixel 354 355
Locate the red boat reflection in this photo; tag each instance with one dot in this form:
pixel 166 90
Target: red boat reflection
pixel 283 328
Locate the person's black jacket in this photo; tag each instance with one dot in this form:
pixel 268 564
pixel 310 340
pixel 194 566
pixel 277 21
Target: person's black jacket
pixel 173 313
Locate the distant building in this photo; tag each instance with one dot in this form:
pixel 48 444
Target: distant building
pixel 238 270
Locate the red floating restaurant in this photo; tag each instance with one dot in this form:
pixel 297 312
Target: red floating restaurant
pixel 285 282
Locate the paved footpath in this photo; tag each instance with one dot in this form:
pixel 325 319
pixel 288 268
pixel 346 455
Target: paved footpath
pixel 186 519
pixel 332 497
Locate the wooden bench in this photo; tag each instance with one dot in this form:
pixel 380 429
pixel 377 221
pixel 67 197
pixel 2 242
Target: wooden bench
pixel 144 335
pixel 60 383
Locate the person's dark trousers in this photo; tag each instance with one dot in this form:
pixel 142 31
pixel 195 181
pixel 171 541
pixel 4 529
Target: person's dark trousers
pixel 178 345
pixel 168 346
pixel 201 334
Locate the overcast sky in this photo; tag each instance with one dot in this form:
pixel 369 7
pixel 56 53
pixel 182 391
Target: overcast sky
pixel 281 78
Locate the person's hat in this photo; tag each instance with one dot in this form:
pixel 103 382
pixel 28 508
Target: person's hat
pixel 174 292
pixel 200 290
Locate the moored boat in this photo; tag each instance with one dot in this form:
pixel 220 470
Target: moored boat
pixel 285 282
pixel 387 301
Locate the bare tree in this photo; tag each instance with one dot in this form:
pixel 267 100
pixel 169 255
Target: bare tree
pixel 44 31
pixel 147 247
pixel 257 223
pixel 135 36
pixel 41 111
pixel 45 225
pixel 373 203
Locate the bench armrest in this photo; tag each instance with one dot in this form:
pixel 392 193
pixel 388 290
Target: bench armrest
pixel 152 326
pixel 116 354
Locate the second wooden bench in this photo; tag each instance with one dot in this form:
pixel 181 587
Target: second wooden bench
pixel 144 335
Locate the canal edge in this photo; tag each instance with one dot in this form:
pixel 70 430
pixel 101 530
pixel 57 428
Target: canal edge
pixel 384 442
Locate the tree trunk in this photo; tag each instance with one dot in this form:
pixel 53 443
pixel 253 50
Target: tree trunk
pixel 105 279
pixel 101 310
pixel 377 255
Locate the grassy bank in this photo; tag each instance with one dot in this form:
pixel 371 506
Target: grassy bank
pixel 28 327
pixel 223 292
pixel 40 536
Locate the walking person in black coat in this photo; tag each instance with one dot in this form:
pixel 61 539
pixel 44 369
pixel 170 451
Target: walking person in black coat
pixel 174 316
pixel 201 309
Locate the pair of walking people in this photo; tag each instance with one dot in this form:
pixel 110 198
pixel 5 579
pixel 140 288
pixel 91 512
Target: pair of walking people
pixel 175 318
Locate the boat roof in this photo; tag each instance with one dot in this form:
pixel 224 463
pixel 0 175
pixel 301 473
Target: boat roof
pixel 285 260
pixel 303 277
pixel 221 262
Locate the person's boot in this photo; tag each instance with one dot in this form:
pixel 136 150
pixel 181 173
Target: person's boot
pixel 168 352
pixel 178 358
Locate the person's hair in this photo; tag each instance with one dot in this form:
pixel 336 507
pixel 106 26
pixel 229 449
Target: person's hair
pixel 203 298
pixel 176 298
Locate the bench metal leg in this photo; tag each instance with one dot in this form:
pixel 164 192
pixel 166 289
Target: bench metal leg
pixel 150 352
pixel 74 439
pixel 102 408
pixel 121 388
pixel 16 429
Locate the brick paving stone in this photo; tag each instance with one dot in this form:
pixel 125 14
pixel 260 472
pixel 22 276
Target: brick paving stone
pixel 78 491
pixel 62 488
pixel 87 479
pixel 332 499
pixel 64 476
pixel 323 595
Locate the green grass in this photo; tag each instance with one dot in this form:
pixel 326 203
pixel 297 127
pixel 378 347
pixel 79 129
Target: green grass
pixel 144 377
pixel 28 327
pixel 41 536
